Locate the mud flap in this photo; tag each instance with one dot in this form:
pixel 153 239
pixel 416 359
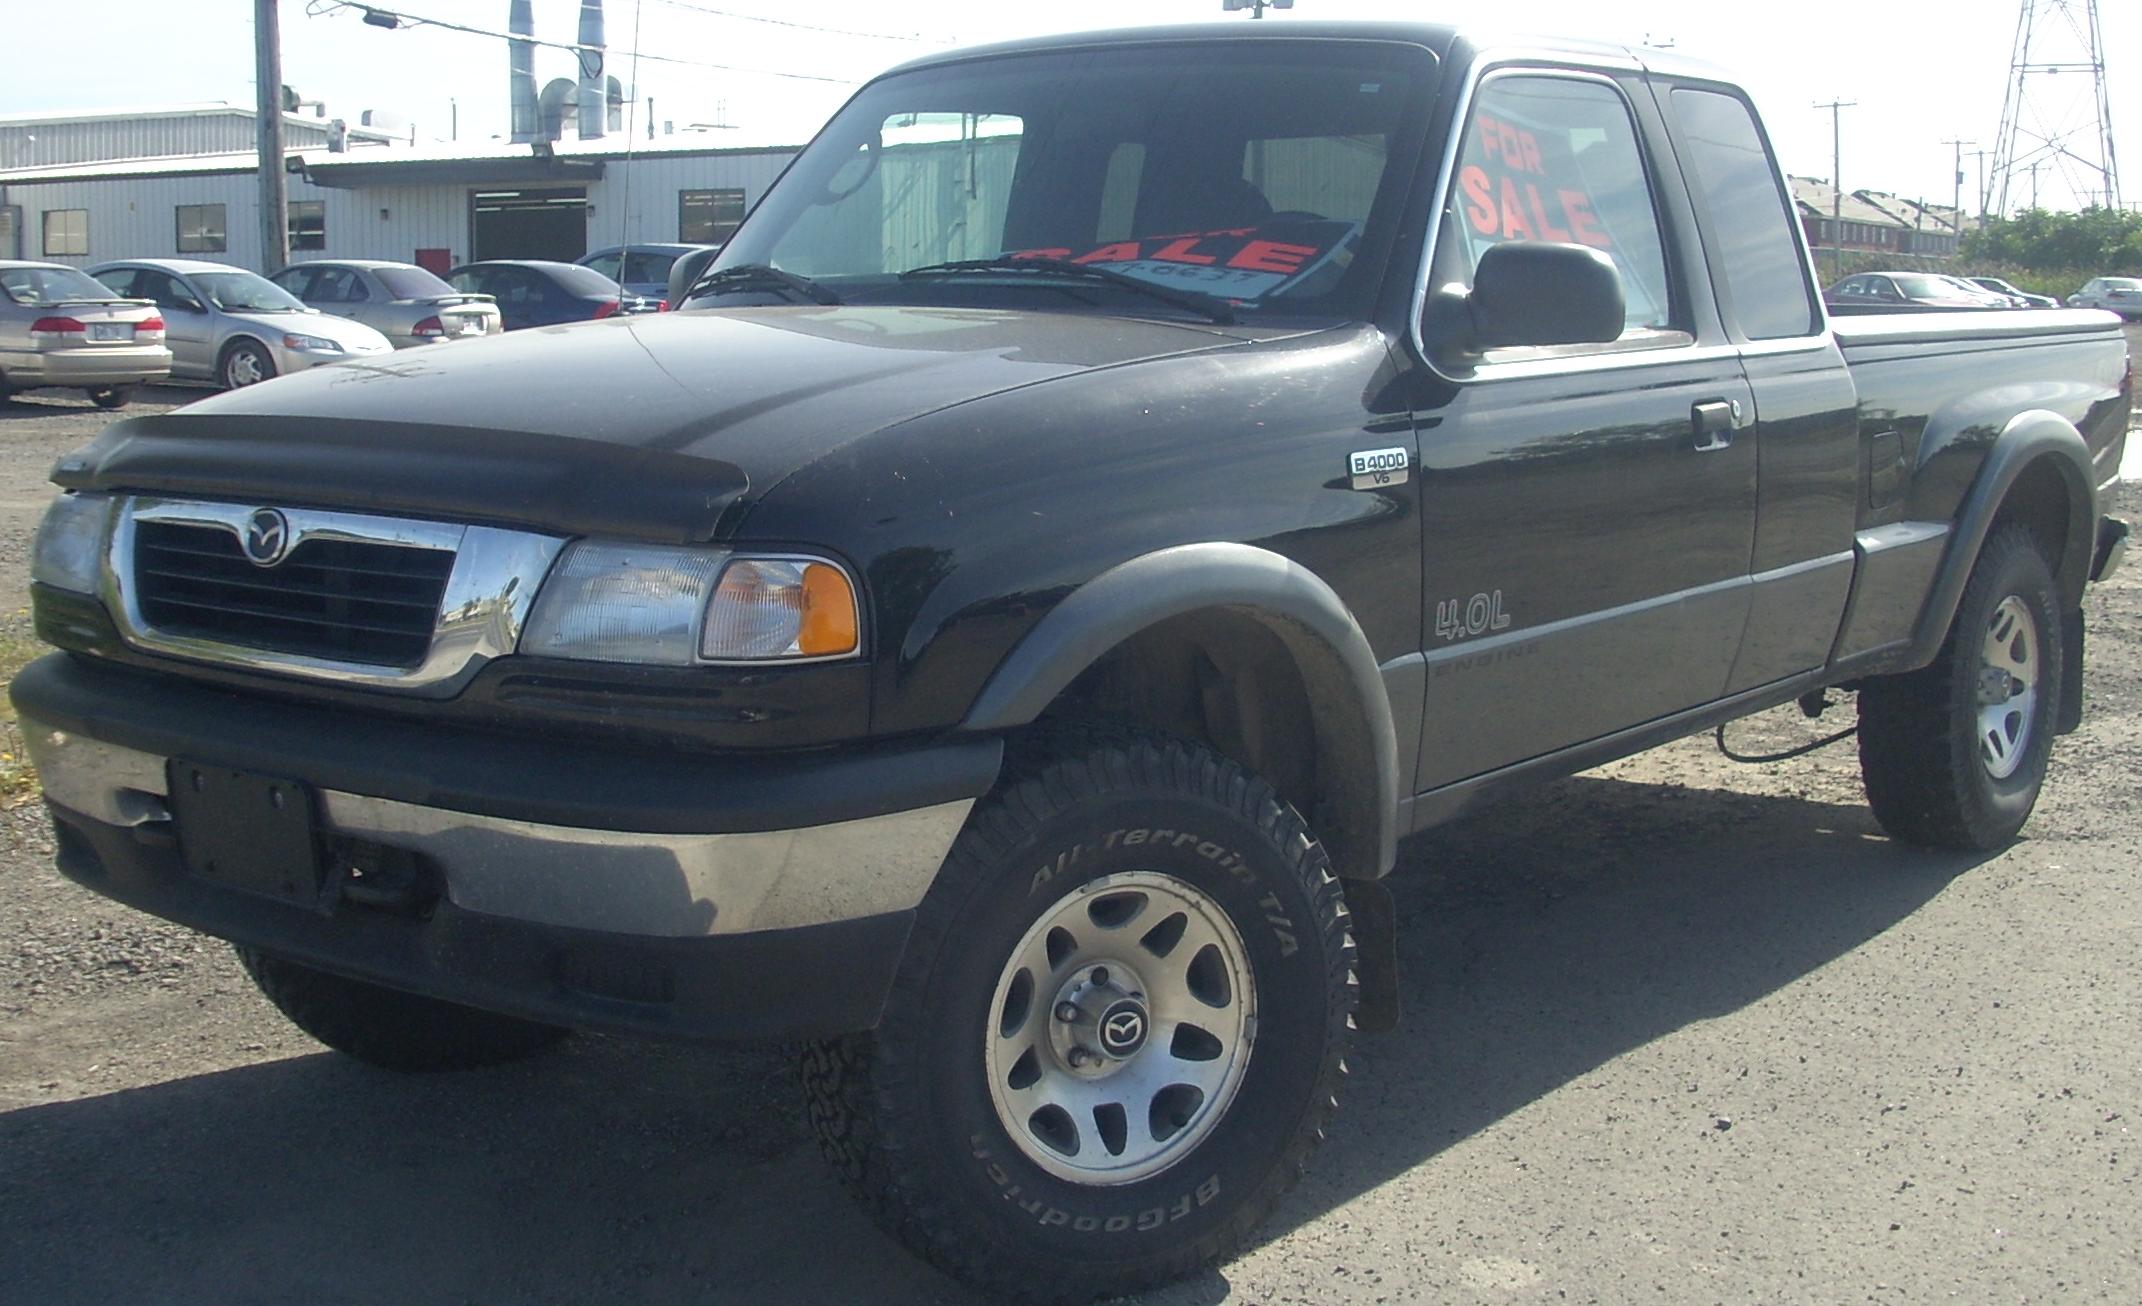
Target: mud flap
pixel 2071 673
pixel 1375 927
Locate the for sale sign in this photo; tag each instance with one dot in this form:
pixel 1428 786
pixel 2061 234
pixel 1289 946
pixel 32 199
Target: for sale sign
pixel 1241 263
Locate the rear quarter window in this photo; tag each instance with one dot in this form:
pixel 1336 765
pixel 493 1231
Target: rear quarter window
pixel 1751 234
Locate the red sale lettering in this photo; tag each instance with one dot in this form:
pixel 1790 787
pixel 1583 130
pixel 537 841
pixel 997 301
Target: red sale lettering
pixel 1547 229
pixel 1514 226
pixel 1479 199
pixel 1043 253
pixel 1577 206
pixel 1271 256
pixel 1178 251
pixel 1124 251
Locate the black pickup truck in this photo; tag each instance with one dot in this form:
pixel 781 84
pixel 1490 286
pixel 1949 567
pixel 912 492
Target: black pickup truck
pixel 1110 491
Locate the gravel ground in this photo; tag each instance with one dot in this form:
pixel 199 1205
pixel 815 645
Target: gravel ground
pixel 1675 1030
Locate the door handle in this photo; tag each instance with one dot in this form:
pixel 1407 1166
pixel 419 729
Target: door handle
pixel 1713 424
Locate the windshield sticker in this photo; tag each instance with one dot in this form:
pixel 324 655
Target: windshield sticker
pixel 1240 263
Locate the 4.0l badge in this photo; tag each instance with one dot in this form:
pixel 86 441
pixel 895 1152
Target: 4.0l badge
pixel 1377 469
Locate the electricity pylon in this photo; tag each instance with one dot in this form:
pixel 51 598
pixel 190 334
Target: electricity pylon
pixel 2056 115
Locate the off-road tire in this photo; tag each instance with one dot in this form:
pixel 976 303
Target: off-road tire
pixel 905 1115
pixel 112 397
pixel 1919 752
pixel 264 364
pixel 388 1028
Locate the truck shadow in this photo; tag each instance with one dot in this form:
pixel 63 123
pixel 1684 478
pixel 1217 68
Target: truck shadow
pixel 1540 941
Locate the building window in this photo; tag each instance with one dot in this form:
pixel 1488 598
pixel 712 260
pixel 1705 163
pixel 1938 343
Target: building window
pixel 200 229
pixel 708 217
pixel 66 232
pixel 308 225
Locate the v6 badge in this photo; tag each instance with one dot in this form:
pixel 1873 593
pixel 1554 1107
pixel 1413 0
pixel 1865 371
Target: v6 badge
pixel 1377 469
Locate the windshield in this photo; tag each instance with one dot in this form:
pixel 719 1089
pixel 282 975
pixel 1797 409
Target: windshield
pixel 411 283
pixel 53 286
pixel 244 292
pixel 2122 283
pixel 1266 173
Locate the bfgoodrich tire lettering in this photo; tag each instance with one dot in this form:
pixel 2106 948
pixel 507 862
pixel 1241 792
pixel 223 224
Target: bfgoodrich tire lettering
pixel 906 1113
pixel 1933 776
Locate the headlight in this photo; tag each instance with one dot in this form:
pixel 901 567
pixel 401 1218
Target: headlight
pixel 311 344
pixel 69 553
pixel 669 606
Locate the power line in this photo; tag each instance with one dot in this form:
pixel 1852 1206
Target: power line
pixel 783 22
pixel 398 18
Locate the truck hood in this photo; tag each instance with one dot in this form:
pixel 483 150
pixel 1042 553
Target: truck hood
pixel 651 427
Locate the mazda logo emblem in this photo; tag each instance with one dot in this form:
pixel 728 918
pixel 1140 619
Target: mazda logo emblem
pixel 1123 1030
pixel 266 538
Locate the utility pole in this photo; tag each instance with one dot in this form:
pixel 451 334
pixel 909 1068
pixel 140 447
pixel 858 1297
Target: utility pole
pixel 1958 209
pixel 268 87
pixel 1837 108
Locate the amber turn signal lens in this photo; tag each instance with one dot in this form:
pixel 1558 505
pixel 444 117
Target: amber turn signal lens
pixel 829 621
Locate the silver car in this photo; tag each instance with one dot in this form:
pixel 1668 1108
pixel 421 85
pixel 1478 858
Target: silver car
pixel 402 301
pixel 59 327
pixel 235 327
pixel 2122 295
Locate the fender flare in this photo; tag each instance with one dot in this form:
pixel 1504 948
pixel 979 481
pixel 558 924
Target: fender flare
pixel 1356 740
pixel 2029 436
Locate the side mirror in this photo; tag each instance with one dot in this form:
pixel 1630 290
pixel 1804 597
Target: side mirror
pixel 1527 292
pixel 685 273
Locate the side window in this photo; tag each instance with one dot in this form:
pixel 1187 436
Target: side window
pixel 469 282
pixel 1556 159
pixel 120 281
pixel 298 281
pixel 1751 222
pixel 606 264
pixel 338 286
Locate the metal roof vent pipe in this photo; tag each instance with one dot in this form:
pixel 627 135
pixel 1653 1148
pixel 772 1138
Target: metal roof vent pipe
pixel 520 73
pixel 592 91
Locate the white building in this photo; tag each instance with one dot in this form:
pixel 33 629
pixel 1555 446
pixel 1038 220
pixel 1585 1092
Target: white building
pixel 435 205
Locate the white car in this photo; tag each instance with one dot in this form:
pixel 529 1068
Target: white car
pixel 2122 295
pixel 235 327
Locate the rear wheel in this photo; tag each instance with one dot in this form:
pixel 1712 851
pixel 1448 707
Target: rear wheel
pixel 388 1028
pixel 117 396
pixel 1953 755
pixel 246 363
pixel 1116 1037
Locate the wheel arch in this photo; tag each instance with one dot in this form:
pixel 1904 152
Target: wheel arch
pixel 1242 648
pixel 2037 473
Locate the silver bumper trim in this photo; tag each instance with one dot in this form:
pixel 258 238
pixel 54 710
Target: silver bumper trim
pixel 624 882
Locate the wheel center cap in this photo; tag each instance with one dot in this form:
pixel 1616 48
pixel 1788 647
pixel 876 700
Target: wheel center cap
pixel 1123 1029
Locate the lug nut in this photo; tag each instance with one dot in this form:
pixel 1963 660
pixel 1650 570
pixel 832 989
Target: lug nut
pixel 1068 1013
pixel 1080 1058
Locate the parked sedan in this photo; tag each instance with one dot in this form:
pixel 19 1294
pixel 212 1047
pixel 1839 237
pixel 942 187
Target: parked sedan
pixel 60 327
pixel 2122 295
pixel 2023 298
pixel 536 292
pixel 1884 291
pixel 403 302
pixel 644 269
pixel 236 327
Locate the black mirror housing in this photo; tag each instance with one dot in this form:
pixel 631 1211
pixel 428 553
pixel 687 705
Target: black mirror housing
pixel 1528 293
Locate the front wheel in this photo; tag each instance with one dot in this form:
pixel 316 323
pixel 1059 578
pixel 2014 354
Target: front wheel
pixel 246 363
pixel 1117 1034
pixel 1953 755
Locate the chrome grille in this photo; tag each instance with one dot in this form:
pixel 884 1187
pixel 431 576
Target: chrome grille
pixel 337 599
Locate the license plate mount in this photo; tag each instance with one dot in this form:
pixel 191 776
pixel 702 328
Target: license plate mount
pixel 250 831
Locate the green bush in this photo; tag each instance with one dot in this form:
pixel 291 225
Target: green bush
pixel 2054 253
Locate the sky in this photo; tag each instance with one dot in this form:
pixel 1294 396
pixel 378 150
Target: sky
pixel 1921 74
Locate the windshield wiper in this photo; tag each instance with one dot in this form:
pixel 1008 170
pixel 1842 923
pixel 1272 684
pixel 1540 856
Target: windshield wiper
pixel 760 276
pixel 1207 306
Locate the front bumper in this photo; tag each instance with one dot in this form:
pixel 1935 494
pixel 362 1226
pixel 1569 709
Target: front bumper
pixel 650 891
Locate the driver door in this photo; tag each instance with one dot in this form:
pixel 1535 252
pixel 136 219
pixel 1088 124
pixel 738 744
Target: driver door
pixel 189 330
